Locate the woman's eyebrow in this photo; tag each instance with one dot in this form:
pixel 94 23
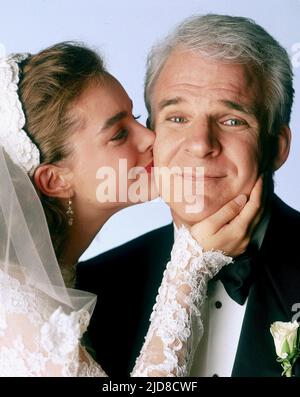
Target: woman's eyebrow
pixel 111 121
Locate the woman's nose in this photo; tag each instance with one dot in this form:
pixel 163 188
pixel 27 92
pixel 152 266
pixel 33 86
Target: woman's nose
pixel 144 138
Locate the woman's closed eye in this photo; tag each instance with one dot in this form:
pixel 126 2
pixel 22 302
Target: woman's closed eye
pixel 120 135
pixel 123 132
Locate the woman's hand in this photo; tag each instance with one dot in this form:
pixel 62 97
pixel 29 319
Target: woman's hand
pixel 230 229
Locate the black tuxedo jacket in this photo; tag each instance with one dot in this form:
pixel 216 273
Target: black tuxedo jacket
pixel 126 280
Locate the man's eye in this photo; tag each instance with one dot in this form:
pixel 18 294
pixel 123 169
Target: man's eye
pixel 234 122
pixel 177 119
pixel 120 135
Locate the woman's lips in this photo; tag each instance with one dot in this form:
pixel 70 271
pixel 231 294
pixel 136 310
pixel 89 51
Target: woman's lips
pixel 149 167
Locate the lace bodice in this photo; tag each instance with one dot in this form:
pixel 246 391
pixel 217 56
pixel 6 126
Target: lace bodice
pixel 38 338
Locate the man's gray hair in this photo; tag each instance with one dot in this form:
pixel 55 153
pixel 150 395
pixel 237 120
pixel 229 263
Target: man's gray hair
pixel 233 39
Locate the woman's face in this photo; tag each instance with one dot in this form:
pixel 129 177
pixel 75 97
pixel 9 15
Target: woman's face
pixel 107 148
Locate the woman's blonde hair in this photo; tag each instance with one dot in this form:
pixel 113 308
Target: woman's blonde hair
pixel 50 82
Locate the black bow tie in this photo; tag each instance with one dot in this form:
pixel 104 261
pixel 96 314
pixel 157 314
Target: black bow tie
pixel 237 277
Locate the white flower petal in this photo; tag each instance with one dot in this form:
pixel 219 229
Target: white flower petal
pixel 285 337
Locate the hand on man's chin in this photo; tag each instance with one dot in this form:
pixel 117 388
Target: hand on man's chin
pixel 190 214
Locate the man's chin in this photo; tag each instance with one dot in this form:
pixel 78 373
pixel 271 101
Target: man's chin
pixel 189 214
pixel 188 218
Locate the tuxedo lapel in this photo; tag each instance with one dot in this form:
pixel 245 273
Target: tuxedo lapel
pixel 126 280
pixel 272 295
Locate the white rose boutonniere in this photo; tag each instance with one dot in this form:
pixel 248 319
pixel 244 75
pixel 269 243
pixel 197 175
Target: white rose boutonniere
pixel 287 343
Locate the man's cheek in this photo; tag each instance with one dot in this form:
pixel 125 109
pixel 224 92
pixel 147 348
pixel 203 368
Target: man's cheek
pixel 160 152
pixel 248 178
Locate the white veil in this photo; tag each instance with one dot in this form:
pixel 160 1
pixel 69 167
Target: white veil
pixel 25 245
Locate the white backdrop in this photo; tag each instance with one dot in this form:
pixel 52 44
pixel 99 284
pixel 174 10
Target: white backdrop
pixel 124 31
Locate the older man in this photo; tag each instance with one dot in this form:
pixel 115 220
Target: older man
pixel 219 94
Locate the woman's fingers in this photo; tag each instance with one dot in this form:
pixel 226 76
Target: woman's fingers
pixel 250 215
pixel 230 228
pixel 216 221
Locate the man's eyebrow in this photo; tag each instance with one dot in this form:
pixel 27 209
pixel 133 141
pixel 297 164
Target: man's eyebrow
pixel 250 110
pixel 113 120
pixel 169 101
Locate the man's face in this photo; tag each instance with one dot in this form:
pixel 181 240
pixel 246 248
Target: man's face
pixel 204 113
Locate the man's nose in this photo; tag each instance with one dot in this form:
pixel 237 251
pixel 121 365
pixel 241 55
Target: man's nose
pixel 202 141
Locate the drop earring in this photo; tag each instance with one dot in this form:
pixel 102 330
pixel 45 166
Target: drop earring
pixel 70 212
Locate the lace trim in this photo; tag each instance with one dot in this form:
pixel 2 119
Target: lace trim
pixel 176 324
pixel 37 337
pixel 13 137
pixel 21 299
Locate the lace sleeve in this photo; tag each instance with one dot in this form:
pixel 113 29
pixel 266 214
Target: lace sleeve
pixel 175 324
pixel 37 337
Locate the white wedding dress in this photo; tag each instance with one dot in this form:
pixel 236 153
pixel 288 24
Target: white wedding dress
pixel 37 338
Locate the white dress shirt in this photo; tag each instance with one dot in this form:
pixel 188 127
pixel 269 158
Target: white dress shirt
pixel 222 321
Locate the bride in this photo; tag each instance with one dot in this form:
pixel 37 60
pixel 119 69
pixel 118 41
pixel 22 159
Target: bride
pixel 63 117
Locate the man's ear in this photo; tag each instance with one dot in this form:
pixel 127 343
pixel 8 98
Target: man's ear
pixel 283 148
pixel 53 181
